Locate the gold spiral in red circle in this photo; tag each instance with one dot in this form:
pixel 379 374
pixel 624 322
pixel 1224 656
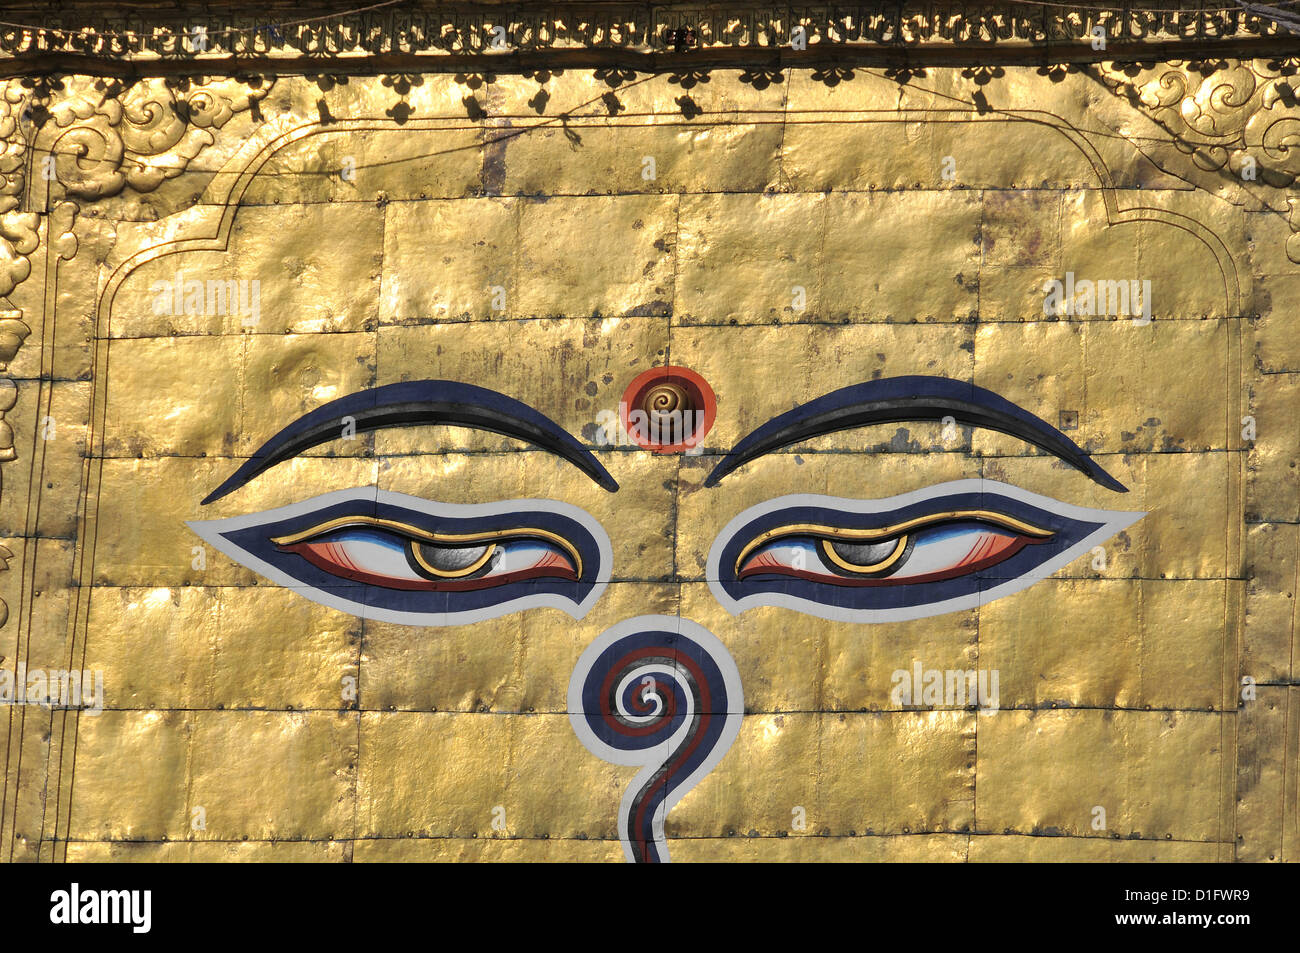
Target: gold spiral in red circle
pixel 667 409
pixel 666 397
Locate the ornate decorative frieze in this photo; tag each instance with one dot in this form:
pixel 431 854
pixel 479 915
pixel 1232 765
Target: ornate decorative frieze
pixel 445 29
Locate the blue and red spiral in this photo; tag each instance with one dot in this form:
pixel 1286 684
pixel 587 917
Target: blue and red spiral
pixel 662 693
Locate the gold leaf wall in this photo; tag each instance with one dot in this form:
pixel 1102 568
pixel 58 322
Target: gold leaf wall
pixel 796 230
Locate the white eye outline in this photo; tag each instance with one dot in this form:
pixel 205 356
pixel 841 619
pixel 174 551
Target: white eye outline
pixel 211 531
pixel 1113 521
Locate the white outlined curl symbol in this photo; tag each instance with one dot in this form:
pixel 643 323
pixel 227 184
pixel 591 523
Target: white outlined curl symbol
pixel 663 693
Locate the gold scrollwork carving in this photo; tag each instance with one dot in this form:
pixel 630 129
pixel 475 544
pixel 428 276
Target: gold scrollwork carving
pixel 1240 117
pixel 140 136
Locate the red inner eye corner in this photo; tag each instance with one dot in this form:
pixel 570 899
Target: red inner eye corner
pixel 668 409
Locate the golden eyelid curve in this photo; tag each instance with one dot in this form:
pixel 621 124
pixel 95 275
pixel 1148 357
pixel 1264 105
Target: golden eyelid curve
pixel 884 532
pixel 469 570
pixel 829 551
pixel 437 539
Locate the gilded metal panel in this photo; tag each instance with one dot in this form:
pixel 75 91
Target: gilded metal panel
pixel 551 236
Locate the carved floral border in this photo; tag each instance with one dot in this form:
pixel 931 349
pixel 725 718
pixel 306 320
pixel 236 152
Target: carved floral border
pixel 448 29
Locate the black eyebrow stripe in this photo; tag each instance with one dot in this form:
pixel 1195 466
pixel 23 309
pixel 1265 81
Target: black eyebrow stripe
pixel 903 400
pixel 411 404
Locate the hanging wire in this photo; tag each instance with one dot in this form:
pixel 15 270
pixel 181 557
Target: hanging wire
pixel 1283 18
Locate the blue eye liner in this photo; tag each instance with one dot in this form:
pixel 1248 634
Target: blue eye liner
pixel 1066 532
pixel 252 541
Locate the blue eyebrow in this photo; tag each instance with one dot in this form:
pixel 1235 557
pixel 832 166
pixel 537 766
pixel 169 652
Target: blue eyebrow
pixel 905 399
pixel 412 404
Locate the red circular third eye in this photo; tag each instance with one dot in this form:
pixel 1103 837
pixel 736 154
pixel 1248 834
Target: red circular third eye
pixel 668 409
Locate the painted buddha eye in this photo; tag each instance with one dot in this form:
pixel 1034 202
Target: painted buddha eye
pixel 926 549
pixel 396 558
pixel 400 556
pixel 942 549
